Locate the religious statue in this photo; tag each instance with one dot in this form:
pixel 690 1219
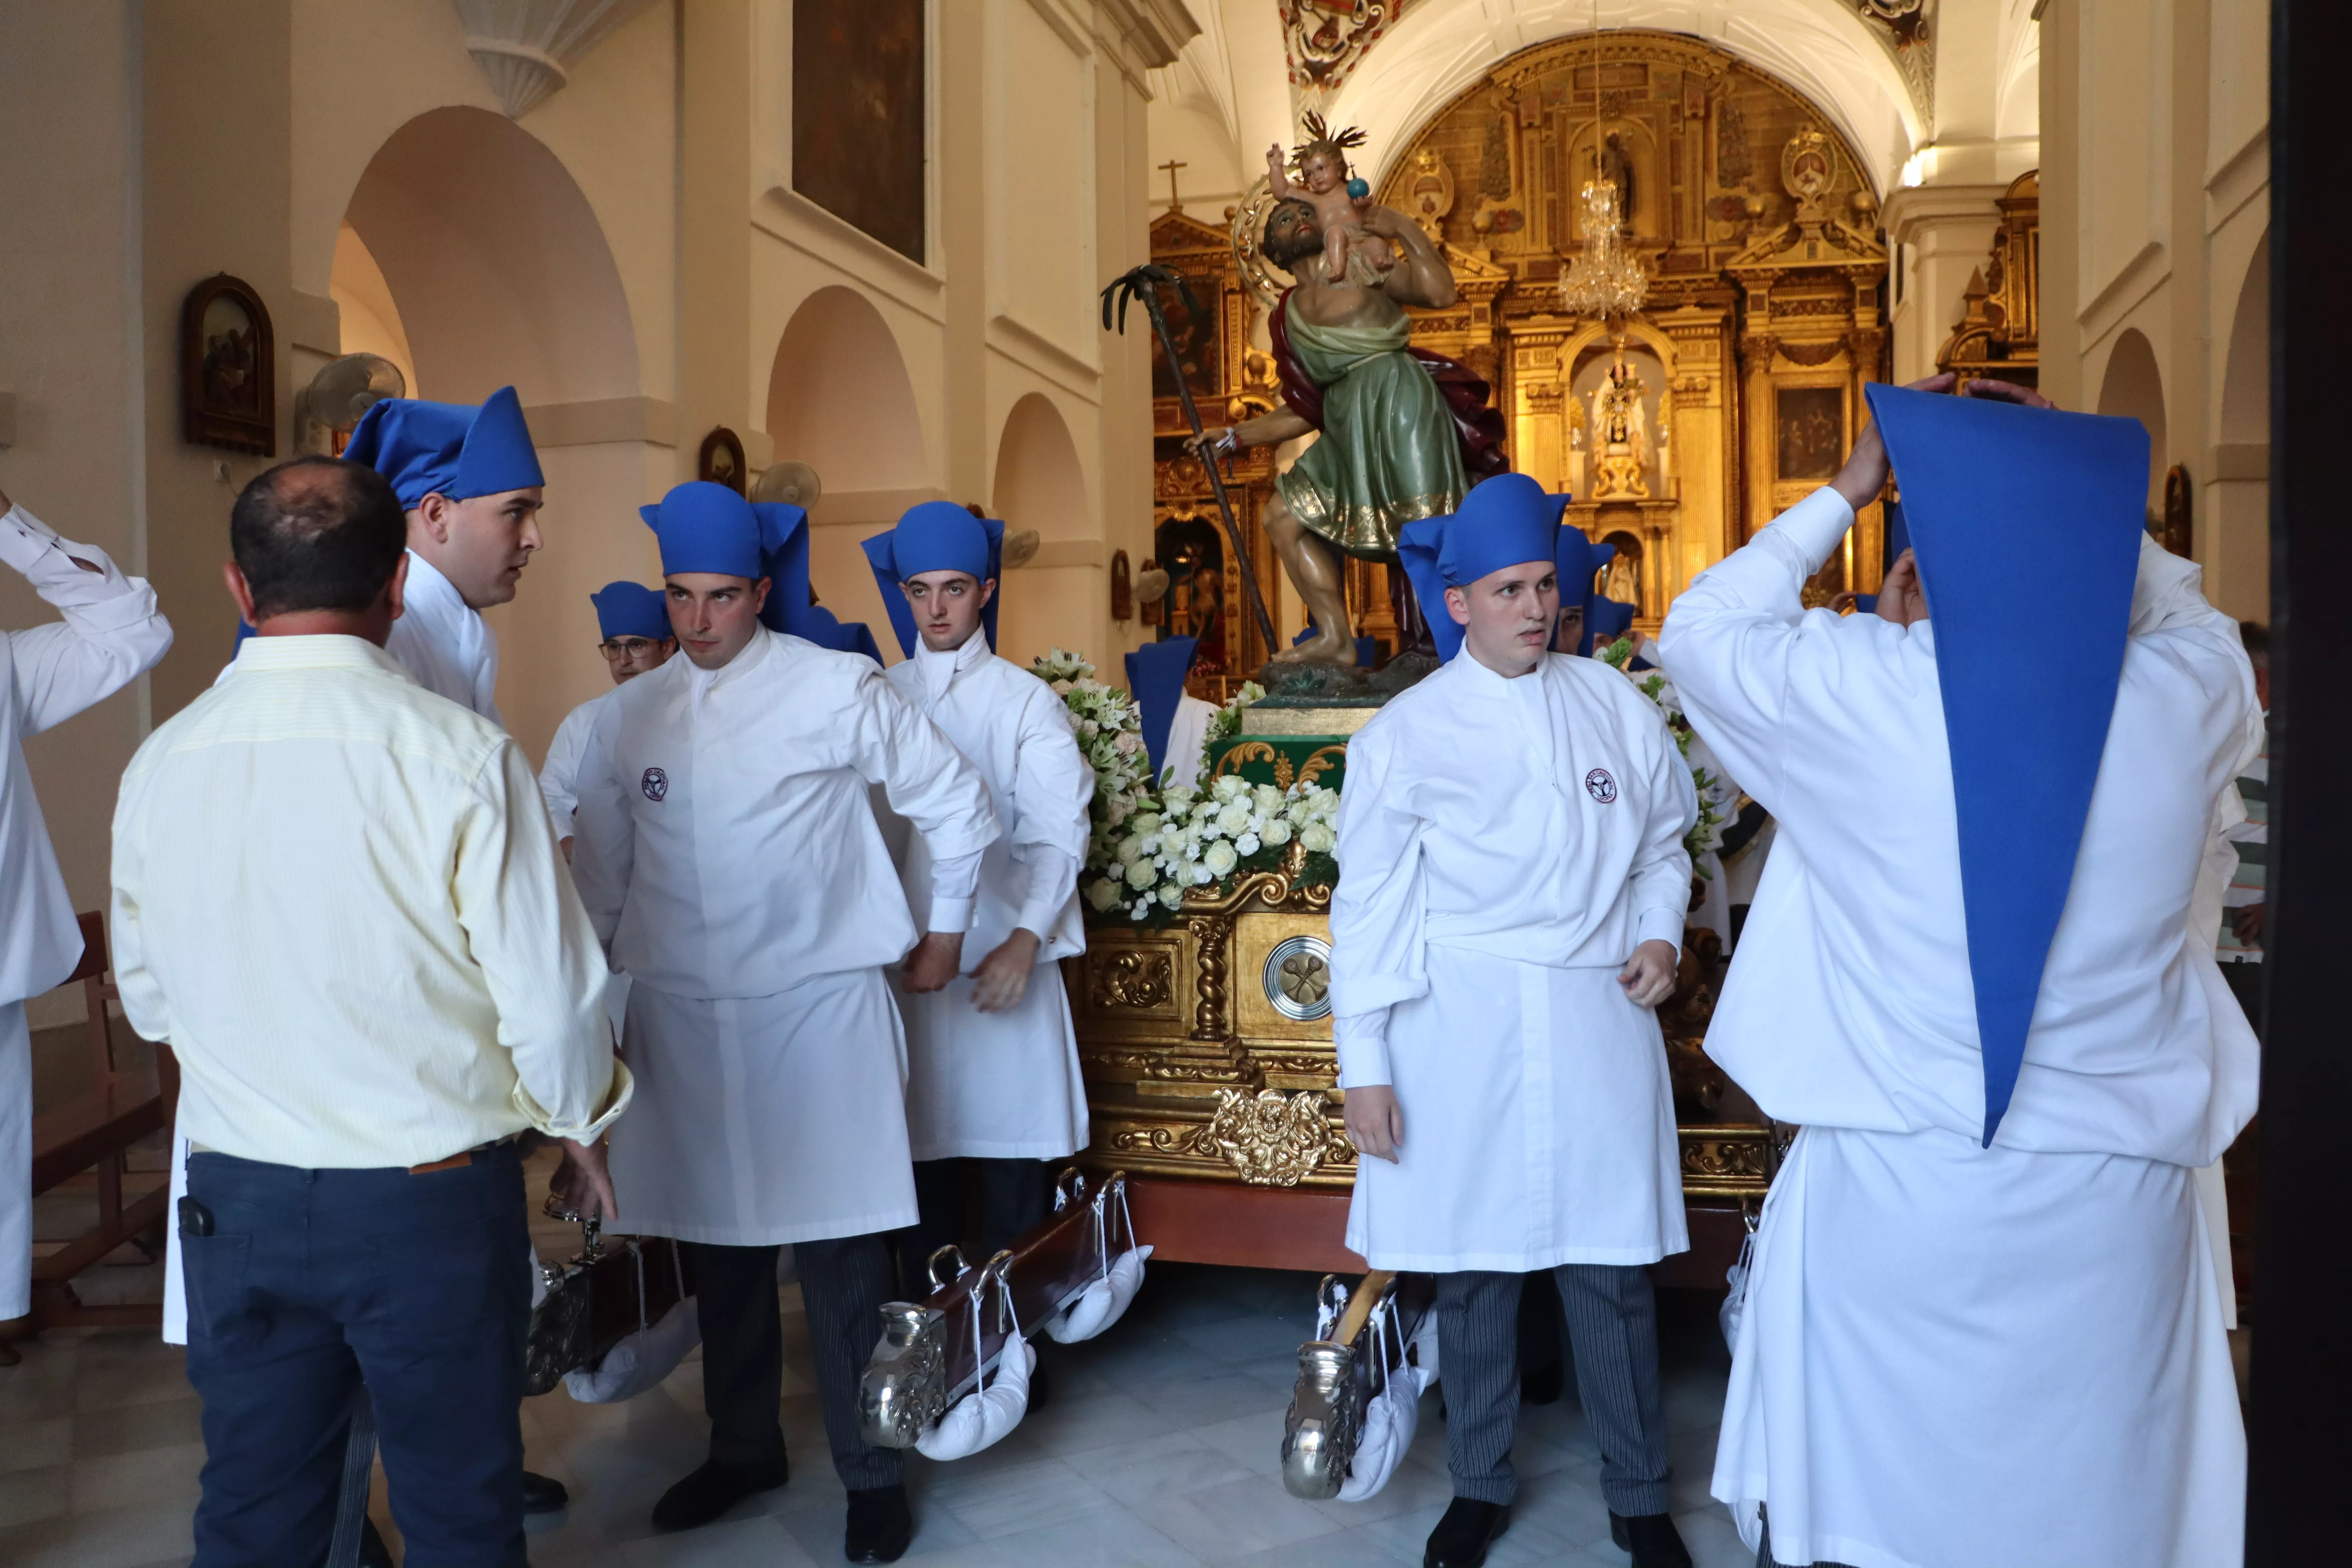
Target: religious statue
pixel 1621 435
pixel 1405 432
pixel 1340 200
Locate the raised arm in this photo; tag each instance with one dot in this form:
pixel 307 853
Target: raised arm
pixel 1421 276
pixel 111 634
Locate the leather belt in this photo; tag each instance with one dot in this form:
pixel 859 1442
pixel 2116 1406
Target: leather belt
pixel 456 1161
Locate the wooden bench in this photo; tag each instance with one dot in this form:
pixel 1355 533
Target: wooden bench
pixel 91 1132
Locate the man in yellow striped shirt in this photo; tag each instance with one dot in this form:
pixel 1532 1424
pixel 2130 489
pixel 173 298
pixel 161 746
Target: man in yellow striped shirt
pixel 338 896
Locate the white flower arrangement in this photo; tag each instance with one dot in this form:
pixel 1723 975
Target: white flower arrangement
pixel 1718 801
pixel 1149 846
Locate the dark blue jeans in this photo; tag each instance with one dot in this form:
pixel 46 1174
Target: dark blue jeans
pixel 312 1281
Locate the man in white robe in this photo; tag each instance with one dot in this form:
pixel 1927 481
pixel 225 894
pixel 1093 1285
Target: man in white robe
pixel 634 621
pixel 111 634
pixel 726 848
pixel 469 480
pixel 1980 1327
pixel 1508 914
pixel 993 1082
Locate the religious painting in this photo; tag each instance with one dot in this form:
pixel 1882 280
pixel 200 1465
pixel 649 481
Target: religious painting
pixel 1810 431
pixel 1198 343
pixel 228 357
pixel 859 115
pixel 720 461
pixel 1192 553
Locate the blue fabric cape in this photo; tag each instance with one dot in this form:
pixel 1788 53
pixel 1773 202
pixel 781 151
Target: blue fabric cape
pixel 1155 674
pixel 937 536
pixel 828 630
pixel 630 610
pixel 456 449
pixel 1504 521
pixel 2027 696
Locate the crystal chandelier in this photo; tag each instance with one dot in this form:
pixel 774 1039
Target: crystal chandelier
pixel 1606 280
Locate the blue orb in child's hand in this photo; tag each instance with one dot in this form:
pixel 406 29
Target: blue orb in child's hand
pixel 1357 190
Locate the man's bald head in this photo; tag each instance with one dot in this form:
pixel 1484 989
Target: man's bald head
pixel 316 534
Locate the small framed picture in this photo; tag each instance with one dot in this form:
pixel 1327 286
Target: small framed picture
pixel 722 460
pixel 228 368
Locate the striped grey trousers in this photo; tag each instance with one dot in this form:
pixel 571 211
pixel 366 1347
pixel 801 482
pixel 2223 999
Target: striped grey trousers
pixel 1612 1334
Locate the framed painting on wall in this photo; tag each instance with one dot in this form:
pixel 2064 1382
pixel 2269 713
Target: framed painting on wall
pixel 228 368
pixel 859 115
pixel 720 461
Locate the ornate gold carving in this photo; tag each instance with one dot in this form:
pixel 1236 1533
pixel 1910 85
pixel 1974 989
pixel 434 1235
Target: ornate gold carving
pixel 1130 980
pixel 1320 761
pixel 1271 1138
pixel 1237 757
pixel 1211 935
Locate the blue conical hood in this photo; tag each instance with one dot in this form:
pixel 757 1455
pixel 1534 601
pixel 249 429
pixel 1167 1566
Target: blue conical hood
pixel 2027 694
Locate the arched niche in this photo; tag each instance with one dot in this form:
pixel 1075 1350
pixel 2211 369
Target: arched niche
pixel 839 399
pixel 2133 387
pixel 2246 374
pixel 2234 532
pixel 468 237
pixel 1039 484
pixel 496 262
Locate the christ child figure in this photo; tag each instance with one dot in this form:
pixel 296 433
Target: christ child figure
pixel 1339 201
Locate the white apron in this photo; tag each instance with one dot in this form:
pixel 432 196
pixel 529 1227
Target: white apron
pixel 16 1162
pixel 765 1119
pixel 1538 1125
pixel 1952 1357
pixel 973 1085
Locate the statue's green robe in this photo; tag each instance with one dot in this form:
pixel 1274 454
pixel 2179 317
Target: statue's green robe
pixel 1388 453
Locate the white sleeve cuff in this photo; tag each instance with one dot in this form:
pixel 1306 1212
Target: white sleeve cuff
pixel 1660 925
pixel 1815 525
pixel 1362 1040
pixel 950 916
pixel 25 539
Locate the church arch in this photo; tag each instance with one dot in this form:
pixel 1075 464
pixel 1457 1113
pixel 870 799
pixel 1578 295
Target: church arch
pixel 2133 387
pixel 840 400
pixel 496 262
pixel 1040 484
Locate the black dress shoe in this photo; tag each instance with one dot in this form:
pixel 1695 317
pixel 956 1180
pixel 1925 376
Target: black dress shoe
pixel 1462 1537
pixel 543 1494
pixel 1652 1538
pixel 711 1491
pixel 880 1525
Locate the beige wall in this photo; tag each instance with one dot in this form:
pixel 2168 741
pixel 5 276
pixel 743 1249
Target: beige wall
pixel 2155 213
pixel 628 253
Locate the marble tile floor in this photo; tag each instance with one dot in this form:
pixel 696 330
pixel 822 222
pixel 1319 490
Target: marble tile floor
pixel 1160 1446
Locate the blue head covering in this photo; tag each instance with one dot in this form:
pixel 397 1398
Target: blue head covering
pixel 630 610
pixel 1155 674
pixel 1605 620
pixel 936 536
pixel 828 630
pixel 706 527
pixel 2027 698
pixel 1504 521
pixel 1580 562
pixel 456 449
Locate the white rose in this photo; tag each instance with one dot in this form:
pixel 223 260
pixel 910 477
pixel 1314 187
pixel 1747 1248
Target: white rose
pixel 1141 874
pixel 1129 851
pixel 1265 797
pixel 1234 820
pixel 1276 832
pixel 1102 894
pixel 1172 896
pixel 1128 742
pixel 1300 814
pixel 1219 858
pixel 1180 797
pixel 1317 839
pixel 1228 787
pixel 1062 687
pixel 1147 822
pixel 1247 844
pixel 1115 812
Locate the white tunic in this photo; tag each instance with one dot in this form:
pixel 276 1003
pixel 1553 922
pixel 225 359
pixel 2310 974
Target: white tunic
pixel 563 754
pixel 111 634
pixel 1187 736
pixel 1505 845
pixel 1005 1085
pixel 444 642
pixel 1952 1355
pixel 726 849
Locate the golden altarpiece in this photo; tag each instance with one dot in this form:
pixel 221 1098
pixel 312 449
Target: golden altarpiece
pixel 1679 431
